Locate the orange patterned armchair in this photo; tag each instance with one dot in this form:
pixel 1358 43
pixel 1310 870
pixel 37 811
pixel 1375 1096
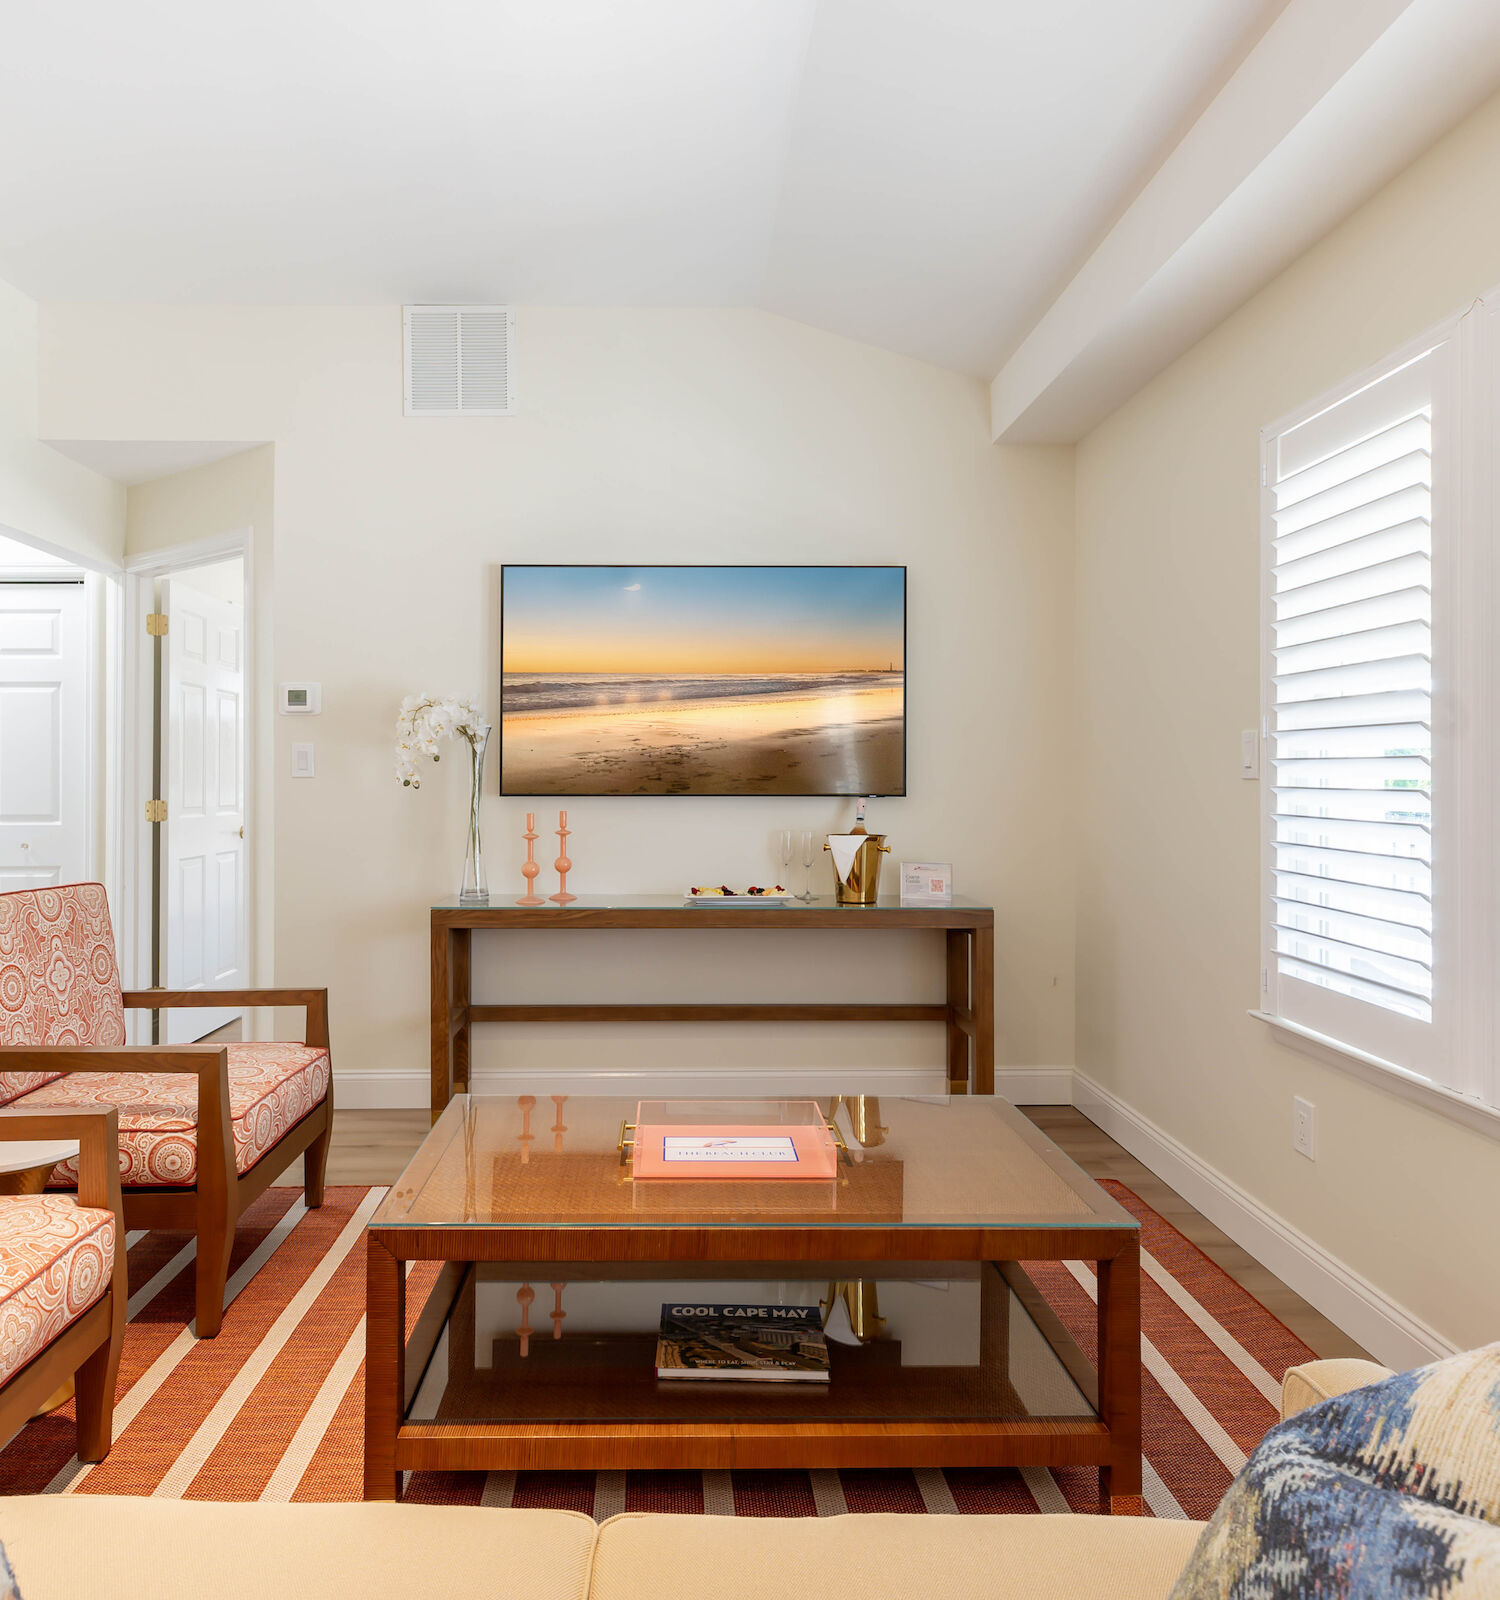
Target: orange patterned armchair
pixel 203 1129
pixel 62 1281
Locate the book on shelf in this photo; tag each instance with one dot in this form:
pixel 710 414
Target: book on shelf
pixel 758 1344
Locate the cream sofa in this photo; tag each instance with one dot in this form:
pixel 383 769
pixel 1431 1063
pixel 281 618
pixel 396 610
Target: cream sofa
pixel 88 1547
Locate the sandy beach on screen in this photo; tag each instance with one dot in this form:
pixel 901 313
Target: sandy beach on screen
pixel 844 743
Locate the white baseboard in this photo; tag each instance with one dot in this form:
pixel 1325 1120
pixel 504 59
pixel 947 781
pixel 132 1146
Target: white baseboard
pixel 384 1091
pixel 354 1090
pixel 1035 1086
pixel 1390 1332
pixel 369 1091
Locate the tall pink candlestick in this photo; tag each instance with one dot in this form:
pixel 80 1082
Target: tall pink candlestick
pixel 531 866
pixel 562 863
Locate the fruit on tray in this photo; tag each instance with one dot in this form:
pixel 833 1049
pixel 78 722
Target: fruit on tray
pixel 723 889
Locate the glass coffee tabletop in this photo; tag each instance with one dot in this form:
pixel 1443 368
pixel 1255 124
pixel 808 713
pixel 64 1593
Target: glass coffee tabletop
pixel 556 1162
pixel 536 1343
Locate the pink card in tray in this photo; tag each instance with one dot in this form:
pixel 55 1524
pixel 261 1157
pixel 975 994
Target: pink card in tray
pixel 735 1151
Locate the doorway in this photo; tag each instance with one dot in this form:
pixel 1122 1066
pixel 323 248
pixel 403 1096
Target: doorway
pixel 192 744
pixel 50 749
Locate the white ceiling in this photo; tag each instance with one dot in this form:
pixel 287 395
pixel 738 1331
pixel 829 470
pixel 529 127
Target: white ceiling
pixel 920 174
pixel 139 461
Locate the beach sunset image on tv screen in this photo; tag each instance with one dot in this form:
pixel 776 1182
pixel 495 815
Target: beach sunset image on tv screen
pixel 703 680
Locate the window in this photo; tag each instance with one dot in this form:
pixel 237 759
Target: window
pixel 1379 904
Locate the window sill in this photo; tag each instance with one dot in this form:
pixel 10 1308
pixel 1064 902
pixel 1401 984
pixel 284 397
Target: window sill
pixel 1385 1075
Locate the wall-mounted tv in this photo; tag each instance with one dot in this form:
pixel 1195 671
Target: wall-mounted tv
pixel 703 680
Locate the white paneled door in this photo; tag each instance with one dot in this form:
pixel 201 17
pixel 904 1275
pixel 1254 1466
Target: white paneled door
pixel 43 734
pixel 205 925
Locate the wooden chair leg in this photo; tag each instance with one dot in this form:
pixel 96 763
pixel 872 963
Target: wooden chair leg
pixel 94 1387
pixel 315 1167
pixel 215 1245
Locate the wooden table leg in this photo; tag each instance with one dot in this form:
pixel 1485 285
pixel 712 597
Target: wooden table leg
pixel 984 1010
pixel 460 951
pixel 385 1368
pixel 1120 1376
pixel 442 1037
pixel 960 998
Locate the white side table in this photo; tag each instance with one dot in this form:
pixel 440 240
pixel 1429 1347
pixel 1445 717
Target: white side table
pixel 25 1163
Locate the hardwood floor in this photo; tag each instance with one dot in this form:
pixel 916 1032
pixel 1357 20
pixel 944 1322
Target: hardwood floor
pixel 374 1146
pixel 1101 1157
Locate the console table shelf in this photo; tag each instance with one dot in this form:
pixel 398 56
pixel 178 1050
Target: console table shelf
pixel 967 1011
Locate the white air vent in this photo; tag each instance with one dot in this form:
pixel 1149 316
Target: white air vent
pixel 458 361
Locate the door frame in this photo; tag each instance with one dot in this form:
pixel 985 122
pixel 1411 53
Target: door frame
pixel 140 573
pixel 103 587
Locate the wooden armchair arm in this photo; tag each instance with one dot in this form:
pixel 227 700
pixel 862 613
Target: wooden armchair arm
pixel 202 1060
pixel 209 1063
pixel 313 1001
pixel 98 1135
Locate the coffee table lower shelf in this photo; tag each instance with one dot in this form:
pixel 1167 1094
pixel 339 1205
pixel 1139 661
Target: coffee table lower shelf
pixel 646 1446
pixel 590 1401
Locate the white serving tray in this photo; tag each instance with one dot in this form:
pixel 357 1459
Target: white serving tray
pixel 770 898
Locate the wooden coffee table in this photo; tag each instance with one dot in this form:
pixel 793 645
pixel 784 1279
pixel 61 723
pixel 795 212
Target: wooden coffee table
pixel 535 1348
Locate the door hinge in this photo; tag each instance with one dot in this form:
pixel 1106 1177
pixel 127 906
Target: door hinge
pixel 156 811
pixel 156 624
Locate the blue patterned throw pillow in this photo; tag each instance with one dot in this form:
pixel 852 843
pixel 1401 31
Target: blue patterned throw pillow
pixel 1390 1492
pixel 8 1589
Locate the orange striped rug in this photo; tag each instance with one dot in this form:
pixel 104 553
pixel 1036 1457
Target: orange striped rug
pixel 272 1408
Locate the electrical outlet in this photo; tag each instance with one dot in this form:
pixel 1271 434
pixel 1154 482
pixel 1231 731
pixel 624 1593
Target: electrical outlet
pixel 1304 1128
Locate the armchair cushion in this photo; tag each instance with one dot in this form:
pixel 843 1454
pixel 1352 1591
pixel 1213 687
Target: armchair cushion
pixel 56 1258
pixel 271 1088
pixel 58 980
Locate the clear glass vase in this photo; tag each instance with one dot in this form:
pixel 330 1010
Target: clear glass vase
pixel 475 891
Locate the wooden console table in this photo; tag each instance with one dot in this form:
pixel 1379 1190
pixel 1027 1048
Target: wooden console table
pixel 967 1011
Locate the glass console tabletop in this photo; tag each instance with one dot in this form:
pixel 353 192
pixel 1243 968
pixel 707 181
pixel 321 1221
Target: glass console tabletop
pixel 673 902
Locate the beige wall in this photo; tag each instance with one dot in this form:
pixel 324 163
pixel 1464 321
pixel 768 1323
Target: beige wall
pixel 222 497
pixel 642 436
pixel 233 496
pixel 1168 663
pixel 42 493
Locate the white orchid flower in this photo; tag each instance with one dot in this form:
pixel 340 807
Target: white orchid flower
pixel 424 722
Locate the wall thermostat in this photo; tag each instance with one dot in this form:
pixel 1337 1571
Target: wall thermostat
pixel 301 699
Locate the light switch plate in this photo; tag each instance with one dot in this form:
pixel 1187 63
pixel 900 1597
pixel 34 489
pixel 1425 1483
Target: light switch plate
pixel 302 761
pixel 1250 753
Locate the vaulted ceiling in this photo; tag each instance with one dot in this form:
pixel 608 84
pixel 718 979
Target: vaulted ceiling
pixel 916 173
pixel 932 176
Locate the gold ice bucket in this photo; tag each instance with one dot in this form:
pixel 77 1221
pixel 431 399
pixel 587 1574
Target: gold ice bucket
pixel 856 866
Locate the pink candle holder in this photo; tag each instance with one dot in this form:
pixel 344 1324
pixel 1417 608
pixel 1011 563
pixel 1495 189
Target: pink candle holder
pixel 524 1296
pixel 524 1138
pixel 558 1315
pixel 532 866
pixel 563 865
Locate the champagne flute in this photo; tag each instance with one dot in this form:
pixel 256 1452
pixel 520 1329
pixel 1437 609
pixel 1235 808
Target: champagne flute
pixel 788 841
pixel 806 840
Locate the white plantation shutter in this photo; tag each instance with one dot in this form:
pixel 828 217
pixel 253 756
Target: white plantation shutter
pixel 1355 776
